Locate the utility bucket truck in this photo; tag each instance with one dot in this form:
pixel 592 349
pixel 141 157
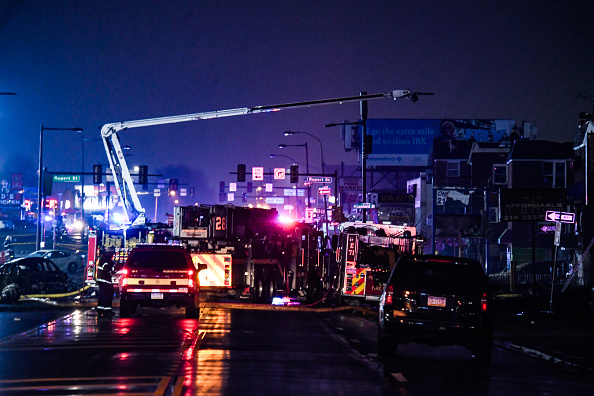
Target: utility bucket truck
pixel 262 272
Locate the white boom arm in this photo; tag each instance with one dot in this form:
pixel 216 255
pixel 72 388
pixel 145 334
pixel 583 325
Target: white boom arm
pixel 121 173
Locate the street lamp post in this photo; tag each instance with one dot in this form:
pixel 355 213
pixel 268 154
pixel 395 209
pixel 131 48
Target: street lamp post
pixel 285 156
pixel 40 196
pixel 281 146
pixel 290 133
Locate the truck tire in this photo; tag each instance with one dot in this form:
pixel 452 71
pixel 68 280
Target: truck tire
pixel 386 346
pixel 270 287
pixel 259 288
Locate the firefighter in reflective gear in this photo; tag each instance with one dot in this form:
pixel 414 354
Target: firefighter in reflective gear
pixel 105 268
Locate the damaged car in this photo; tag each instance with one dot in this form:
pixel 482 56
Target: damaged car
pixel 32 275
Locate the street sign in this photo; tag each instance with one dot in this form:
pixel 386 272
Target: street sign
pixel 257 173
pixel 563 217
pixel 364 205
pixel 67 178
pixel 318 179
pixel 279 173
pixel 325 190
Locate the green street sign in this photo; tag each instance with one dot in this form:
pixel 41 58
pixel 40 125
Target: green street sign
pixel 67 178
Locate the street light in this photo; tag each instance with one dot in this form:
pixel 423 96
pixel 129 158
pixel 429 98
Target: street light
pixel 40 183
pixel 282 155
pixel 291 133
pixel 281 146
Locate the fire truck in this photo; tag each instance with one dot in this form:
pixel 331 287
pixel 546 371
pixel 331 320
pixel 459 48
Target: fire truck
pixel 250 254
pixel 366 254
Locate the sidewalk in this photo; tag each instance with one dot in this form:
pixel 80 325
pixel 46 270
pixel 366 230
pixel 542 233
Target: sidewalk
pixel 564 336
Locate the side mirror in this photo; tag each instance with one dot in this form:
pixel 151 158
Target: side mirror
pixel 201 267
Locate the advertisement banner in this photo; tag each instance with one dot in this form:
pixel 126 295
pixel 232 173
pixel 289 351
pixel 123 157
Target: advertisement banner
pixel 408 142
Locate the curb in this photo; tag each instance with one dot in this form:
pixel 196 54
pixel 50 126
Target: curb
pixel 542 356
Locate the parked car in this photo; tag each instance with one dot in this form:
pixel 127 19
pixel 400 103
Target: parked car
pixel 32 275
pixel 6 224
pixel 436 300
pixel 160 276
pixel 66 261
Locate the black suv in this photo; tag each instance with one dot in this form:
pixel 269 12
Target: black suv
pixel 159 276
pixel 436 300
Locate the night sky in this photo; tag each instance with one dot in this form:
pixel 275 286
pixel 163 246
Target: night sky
pixel 87 63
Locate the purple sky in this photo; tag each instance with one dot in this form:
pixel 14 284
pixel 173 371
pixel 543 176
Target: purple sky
pixel 87 63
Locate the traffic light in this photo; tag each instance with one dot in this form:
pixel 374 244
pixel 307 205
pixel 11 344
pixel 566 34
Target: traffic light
pixel 337 214
pixel 97 174
pixel 48 180
pixel 143 176
pixel 249 187
pixel 172 184
pixel 241 172
pixel 243 197
pixel 294 173
pixel 191 191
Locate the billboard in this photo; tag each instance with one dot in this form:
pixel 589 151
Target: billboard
pixel 521 204
pixel 408 142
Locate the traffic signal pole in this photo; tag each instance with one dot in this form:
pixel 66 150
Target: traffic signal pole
pixel 363 107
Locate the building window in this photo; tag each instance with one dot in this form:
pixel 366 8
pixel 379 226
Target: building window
pixel 499 174
pixel 453 169
pixel 554 174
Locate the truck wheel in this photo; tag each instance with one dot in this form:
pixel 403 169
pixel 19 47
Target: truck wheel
pixel 124 309
pixel 386 346
pixel 259 288
pixel 270 288
pixel 314 289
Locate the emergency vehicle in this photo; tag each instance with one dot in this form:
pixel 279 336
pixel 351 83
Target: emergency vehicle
pixel 365 256
pixel 249 253
pixel 261 273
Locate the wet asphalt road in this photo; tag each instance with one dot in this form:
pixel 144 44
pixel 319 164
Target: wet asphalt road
pixel 254 352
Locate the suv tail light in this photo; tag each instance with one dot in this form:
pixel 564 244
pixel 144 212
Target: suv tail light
pixel 484 304
pixel 124 277
pixel 191 283
pixel 389 294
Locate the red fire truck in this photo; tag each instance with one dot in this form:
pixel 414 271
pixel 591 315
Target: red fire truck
pixel 250 254
pixel 365 256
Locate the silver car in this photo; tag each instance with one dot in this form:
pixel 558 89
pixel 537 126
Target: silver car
pixel 65 260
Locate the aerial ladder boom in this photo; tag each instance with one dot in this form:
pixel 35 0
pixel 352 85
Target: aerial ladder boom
pixel 121 173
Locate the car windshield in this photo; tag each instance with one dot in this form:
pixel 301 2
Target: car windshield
pixel 438 275
pixel 158 259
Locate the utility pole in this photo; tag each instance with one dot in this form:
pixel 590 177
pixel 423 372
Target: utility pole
pixel 363 106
